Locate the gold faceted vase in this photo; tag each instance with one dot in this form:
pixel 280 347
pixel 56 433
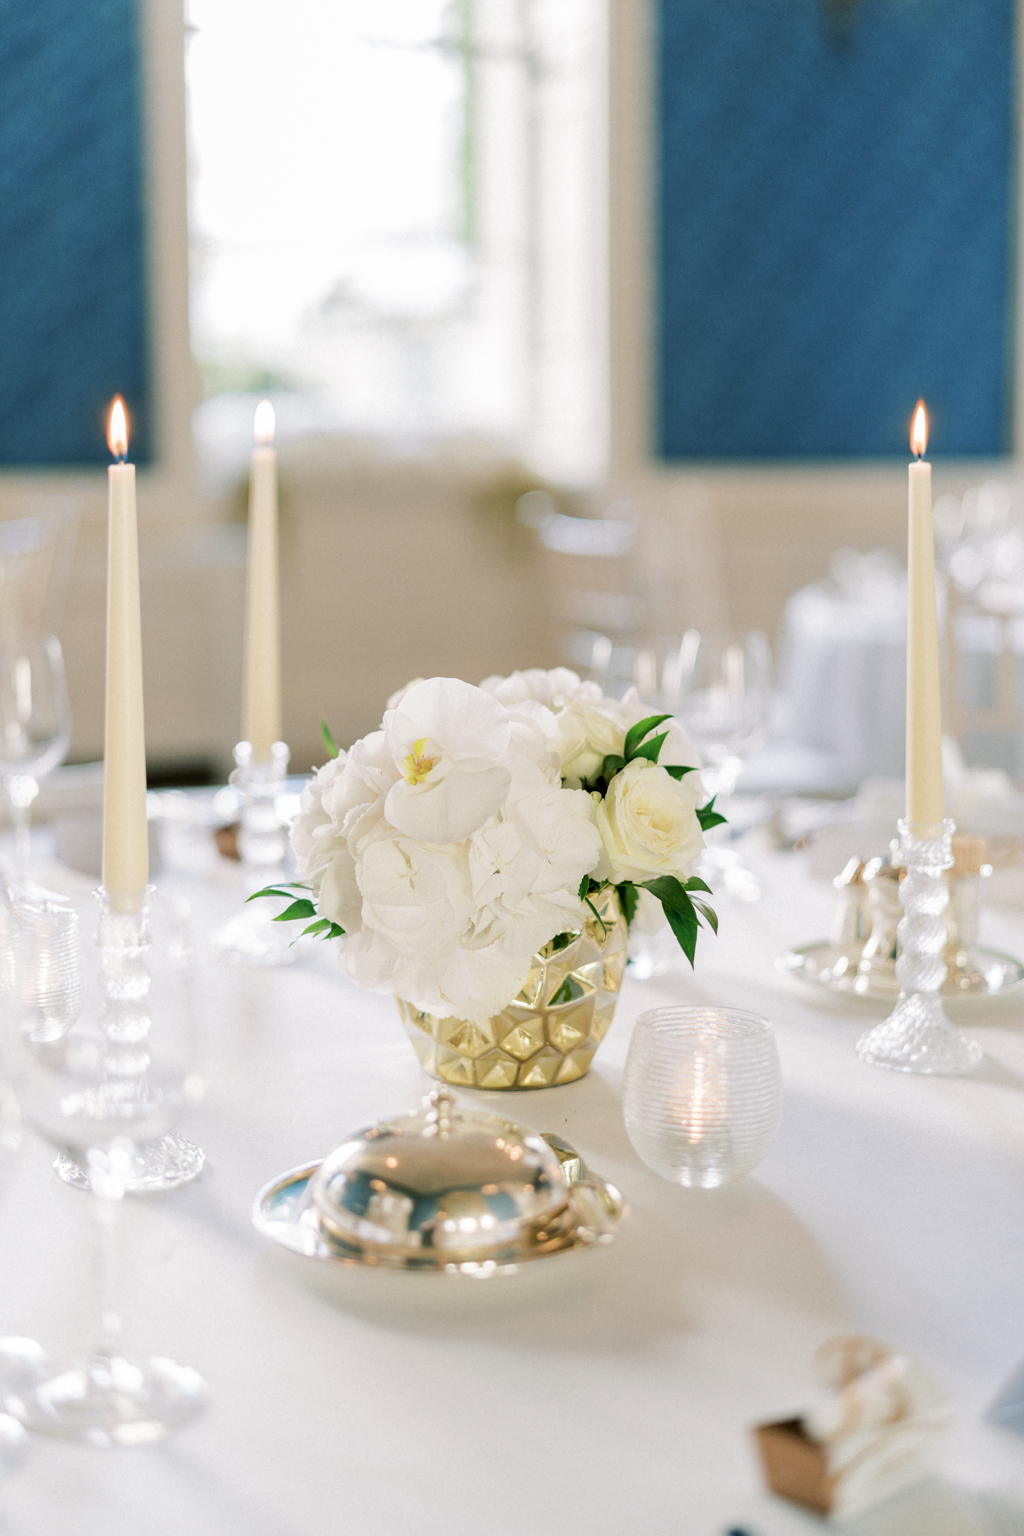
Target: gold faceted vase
pixel 548 1033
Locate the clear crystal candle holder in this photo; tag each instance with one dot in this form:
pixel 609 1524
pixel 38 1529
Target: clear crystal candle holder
pixel 702 1093
pixel 917 1036
pixel 115 1075
pixel 251 936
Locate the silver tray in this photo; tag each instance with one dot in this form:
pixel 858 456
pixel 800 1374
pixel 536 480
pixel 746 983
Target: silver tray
pixel 282 1212
pixel 820 965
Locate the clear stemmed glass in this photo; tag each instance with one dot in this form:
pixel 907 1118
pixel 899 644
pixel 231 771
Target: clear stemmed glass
pixel 35 728
pixel 720 687
pixel 102 1094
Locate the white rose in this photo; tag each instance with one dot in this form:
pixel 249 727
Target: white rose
pixel 587 734
pixel 648 824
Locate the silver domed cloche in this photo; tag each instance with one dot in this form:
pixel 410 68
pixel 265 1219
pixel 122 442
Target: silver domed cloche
pixel 442 1185
pixel 445 1189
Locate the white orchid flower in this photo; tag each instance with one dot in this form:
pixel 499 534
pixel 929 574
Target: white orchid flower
pixel 448 742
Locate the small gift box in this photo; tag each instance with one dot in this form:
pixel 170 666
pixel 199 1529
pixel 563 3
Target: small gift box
pixel 872 1431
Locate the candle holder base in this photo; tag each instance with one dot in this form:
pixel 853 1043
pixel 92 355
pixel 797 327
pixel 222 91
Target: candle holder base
pixel 154 1166
pixel 917 1036
pixel 110 1400
pixel 251 937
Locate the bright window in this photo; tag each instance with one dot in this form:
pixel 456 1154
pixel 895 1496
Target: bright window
pixel 370 237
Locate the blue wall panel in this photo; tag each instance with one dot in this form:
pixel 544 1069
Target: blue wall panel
pixel 835 226
pixel 72 254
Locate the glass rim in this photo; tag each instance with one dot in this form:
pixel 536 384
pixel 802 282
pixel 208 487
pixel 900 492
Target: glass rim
pixel 687 1018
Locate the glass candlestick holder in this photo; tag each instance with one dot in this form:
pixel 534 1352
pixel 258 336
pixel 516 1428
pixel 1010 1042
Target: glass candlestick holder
pixel 251 936
pixel 109 1077
pixel 917 1036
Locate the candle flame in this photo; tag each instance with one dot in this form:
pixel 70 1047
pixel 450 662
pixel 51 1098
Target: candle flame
pixel 919 431
pixel 117 429
pixel 264 424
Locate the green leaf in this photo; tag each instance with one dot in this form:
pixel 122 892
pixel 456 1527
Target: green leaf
pixel 709 913
pixel 329 743
pixel 708 816
pixel 561 941
pixel 326 927
pixel 276 890
pixel 636 734
pixel 604 925
pixel 676 771
pixel 611 766
pixel 696 884
pixel 683 923
pixel 671 892
pixel 650 749
pixel 629 896
pixel 584 887
pixel 297 909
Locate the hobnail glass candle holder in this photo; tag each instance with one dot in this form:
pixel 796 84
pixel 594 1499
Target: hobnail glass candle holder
pixel 113 1072
pixel 917 1036
pixel 702 1093
pixel 251 936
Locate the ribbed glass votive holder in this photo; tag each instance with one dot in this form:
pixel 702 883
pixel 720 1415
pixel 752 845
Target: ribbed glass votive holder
pixel 702 1093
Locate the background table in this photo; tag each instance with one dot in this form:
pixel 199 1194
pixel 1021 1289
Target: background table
pixel 612 1396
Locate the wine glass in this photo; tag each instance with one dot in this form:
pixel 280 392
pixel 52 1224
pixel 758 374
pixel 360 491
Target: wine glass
pixel 719 684
pixel 35 728
pixel 107 1095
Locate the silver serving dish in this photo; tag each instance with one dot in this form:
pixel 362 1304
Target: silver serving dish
pixel 829 966
pixel 441 1191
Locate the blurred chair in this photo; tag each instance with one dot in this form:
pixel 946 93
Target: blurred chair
pixel 35 563
pixel 981 542
pixel 842 683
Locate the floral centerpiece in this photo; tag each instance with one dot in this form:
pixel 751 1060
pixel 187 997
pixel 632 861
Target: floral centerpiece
pixel 482 827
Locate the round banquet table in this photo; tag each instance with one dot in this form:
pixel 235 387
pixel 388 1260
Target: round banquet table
pixel 609 1396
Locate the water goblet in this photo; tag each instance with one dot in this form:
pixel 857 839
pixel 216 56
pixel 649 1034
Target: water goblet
pixel 720 687
pixel 106 1095
pixel 702 1093
pixel 35 729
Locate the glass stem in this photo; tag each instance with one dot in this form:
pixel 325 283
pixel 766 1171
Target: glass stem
pixel 21 791
pixel 107 1194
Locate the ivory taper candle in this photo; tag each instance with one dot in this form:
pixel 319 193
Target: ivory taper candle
pixel 125 838
pixel 925 800
pixel 261 686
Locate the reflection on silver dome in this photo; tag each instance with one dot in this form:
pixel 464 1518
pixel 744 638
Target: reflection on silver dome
pixel 442 1185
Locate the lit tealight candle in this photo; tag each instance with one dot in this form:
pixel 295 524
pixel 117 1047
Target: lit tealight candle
pixel 125 839
pixel 925 802
pixel 261 689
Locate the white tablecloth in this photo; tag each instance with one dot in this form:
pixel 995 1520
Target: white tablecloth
pixel 612 1396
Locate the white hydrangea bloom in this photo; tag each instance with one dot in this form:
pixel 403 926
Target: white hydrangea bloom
pixel 447 848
